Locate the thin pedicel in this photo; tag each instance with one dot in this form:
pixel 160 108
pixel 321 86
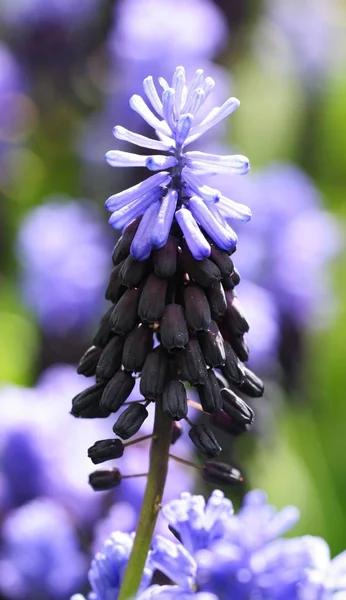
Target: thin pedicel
pixel 175 316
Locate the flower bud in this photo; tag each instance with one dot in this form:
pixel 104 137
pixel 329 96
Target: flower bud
pixel 174 402
pixel 223 422
pixel 235 277
pixel 122 248
pixel 252 385
pixel 153 375
pixel 219 473
pixel 240 347
pixel 177 432
pixel 124 315
pixel 101 481
pixel 165 259
pixel 117 391
pixel 204 440
pixel 196 308
pixel 104 332
pixel 217 300
pixel 115 289
pixel 130 421
pixel 234 316
pixel 227 283
pixel 153 299
pixel 222 260
pixel 236 408
pixel 173 329
pixel 86 404
pixel 212 345
pixel 133 271
pixel 191 364
pixel 106 450
pixel 88 363
pixel 233 370
pixel 137 346
pixel 110 360
pixel 204 272
pixel 209 393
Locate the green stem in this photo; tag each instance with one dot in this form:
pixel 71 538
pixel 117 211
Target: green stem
pixel 159 456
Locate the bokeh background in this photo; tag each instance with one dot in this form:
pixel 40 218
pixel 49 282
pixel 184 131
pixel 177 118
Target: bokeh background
pixel 67 70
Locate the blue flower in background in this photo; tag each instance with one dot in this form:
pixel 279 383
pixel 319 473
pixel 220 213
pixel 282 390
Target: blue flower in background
pixel 108 568
pixel 135 49
pixel 291 239
pixel 197 522
pixel 40 554
pixel 180 193
pixel 173 592
pixel 63 248
pixel 26 13
pixel 14 107
pixel 238 556
pixel 173 29
pixel 34 459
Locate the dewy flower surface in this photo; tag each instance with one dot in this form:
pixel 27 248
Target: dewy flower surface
pixel 177 190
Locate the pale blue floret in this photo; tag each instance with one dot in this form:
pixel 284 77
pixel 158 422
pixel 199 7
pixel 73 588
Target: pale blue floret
pixel 179 189
pixel 170 592
pixel 223 556
pixel 108 568
pixel 174 561
pixel 197 522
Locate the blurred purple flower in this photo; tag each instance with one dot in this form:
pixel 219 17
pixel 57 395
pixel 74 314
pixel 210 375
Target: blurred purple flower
pixel 261 311
pixel 24 13
pixel 174 29
pixel 40 555
pixel 288 245
pixel 238 556
pixel 36 457
pixel 63 248
pixel 174 33
pixel 108 567
pixel 13 105
pixel 10 74
pixel 310 31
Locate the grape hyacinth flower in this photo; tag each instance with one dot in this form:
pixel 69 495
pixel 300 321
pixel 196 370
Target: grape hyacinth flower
pixel 222 555
pixel 180 192
pixel 63 268
pixel 175 316
pixel 40 555
pixel 108 566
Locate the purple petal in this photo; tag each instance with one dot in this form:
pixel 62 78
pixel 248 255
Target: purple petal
pixel 204 191
pixel 141 245
pixel 158 162
pixel 116 158
pixel 136 191
pixel 164 220
pixel 224 238
pixel 195 239
pixel 121 133
pixel 127 213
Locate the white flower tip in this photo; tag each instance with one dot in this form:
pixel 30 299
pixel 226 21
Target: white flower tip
pixel 118 130
pixel 109 156
pixel 134 100
pixel 233 103
pixel 149 79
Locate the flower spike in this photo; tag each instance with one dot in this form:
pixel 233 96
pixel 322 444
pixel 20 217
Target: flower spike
pixel 175 126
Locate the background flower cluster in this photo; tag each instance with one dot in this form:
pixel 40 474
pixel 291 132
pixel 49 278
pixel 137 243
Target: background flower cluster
pixel 67 71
